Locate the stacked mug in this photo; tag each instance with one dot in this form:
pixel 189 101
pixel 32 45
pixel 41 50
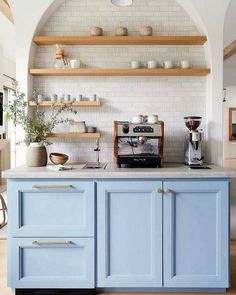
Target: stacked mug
pixel 150 119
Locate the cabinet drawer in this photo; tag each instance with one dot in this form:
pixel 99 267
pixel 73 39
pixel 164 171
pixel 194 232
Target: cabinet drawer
pixel 52 263
pixel 51 209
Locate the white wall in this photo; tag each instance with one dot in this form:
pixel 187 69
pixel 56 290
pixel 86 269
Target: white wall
pixel 210 20
pixel 7 51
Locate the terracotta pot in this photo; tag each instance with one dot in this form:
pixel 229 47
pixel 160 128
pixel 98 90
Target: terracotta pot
pixel 36 155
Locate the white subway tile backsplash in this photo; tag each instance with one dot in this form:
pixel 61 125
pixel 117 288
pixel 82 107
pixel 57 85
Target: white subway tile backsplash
pixel 171 98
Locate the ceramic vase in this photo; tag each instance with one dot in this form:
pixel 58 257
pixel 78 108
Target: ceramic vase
pixel 36 155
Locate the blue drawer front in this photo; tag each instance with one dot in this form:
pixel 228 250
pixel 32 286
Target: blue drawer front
pixel 51 209
pixel 53 263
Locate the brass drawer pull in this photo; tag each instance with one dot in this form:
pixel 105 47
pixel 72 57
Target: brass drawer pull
pixel 51 243
pixel 52 186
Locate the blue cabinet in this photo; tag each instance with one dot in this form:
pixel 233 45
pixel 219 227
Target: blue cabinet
pixel 156 234
pixel 196 234
pixel 129 236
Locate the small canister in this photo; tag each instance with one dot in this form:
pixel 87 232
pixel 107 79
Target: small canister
pixel 121 31
pixel 96 31
pixel 77 127
pixel 146 31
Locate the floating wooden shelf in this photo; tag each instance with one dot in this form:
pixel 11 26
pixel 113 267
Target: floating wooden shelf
pixel 121 72
pixel 83 103
pixel 75 135
pixel 120 40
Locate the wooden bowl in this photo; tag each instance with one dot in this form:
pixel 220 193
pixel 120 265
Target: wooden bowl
pixel 58 159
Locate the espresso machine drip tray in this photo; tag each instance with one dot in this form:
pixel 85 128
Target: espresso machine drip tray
pixel 145 160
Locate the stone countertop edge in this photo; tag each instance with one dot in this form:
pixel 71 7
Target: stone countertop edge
pixel 112 172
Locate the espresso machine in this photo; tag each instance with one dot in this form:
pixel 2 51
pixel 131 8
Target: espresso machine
pixel 138 145
pixel 193 144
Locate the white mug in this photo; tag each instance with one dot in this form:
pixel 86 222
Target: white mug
pixel 40 98
pixel 93 98
pixel 152 64
pixel 74 63
pixel 184 64
pixel 60 98
pixel 152 119
pixel 137 119
pixel 135 64
pixel 67 97
pixel 168 64
pixel 79 97
pixel 54 97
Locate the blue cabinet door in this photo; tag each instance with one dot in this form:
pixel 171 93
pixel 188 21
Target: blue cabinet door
pixel 51 263
pixel 61 208
pixel 196 234
pixel 129 234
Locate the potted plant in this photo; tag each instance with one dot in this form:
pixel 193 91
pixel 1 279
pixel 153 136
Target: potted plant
pixel 35 125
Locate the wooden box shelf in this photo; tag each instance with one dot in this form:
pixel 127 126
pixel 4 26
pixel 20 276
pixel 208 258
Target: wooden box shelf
pixel 120 40
pixel 82 103
pixel 121 72
pixel 75 135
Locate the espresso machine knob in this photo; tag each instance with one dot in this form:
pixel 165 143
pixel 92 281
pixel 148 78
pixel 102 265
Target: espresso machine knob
pixel 125 128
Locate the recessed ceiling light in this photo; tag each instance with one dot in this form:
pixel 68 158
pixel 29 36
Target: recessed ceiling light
pixel 122 2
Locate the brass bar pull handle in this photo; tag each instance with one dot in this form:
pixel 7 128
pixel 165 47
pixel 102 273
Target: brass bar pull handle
pixel 37 243
pixel 52 186
pixel 168 191
pixel 159 190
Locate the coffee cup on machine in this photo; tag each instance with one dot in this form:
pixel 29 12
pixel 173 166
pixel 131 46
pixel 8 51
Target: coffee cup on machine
pixel 152 119
pixel 138 119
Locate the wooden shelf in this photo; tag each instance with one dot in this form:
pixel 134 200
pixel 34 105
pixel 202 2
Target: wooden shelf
pixel 120 40
pixel 83 103
pixel 75 135
pixel 121 72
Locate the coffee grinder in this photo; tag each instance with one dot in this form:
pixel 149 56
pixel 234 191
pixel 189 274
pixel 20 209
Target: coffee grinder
pixel 193 151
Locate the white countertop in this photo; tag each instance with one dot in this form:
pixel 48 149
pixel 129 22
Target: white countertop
pixel 168 171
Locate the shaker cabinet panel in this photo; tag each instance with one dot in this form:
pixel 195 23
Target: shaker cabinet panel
pixel 129 236
pixel 51 208
pixel 52 263
pixel 196 234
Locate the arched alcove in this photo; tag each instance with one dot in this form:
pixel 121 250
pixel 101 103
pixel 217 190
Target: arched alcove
pixel 171 97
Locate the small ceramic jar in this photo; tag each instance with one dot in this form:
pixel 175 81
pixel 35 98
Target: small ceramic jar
pixel 121 31
pixel 146 31
pixel 96 31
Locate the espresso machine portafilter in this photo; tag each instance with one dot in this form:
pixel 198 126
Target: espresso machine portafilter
pixel 193 144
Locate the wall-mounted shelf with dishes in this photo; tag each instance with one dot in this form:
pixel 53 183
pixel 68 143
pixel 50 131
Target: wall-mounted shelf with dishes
pixel 121 72
pixel 120 40
pixel 82 103
pixel 96 135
